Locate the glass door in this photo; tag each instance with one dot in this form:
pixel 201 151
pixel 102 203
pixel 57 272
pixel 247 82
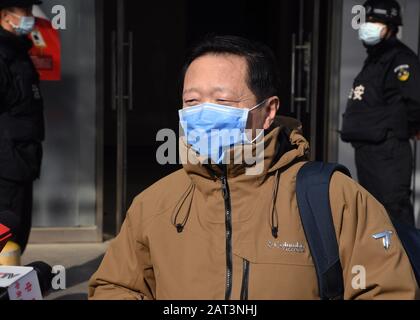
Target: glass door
pixel 65 196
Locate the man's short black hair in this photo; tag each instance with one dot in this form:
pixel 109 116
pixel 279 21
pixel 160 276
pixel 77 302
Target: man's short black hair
pixel 263 78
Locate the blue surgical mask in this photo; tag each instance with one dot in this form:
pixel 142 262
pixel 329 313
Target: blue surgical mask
pixel 212 129
pixel 370 33
pixel 26 25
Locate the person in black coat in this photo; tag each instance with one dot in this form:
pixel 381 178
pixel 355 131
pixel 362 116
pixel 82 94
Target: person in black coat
pixel 21 115
pixel 383 111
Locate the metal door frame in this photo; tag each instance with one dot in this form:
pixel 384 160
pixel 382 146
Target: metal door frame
pixel 314 76
pixel 304 82
pixel 123 103
pixel 415 162
pixel 333 88
pixel 121 169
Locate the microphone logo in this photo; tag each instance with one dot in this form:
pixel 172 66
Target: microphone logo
pixel 8 276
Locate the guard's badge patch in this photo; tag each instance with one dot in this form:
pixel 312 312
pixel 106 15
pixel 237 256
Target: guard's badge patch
pixel 403 72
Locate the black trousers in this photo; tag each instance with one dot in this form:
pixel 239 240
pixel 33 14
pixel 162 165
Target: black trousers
pixel 385 170
pixel 16 197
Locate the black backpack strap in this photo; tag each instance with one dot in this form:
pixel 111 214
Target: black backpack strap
pixel 410 239
pixel 312 191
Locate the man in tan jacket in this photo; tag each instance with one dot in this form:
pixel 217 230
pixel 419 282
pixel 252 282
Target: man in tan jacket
pixel 212 231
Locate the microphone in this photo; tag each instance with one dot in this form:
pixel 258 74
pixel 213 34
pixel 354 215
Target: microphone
pixel 31 282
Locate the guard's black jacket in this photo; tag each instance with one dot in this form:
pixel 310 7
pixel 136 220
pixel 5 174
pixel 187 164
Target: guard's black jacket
pixel 21 111
pixel 385 97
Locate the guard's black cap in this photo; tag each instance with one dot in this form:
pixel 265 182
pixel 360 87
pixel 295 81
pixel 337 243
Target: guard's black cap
pixel 18 3
pixel 385 11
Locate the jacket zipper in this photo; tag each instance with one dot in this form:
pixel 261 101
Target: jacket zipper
pixel 245 280
pixel 228 224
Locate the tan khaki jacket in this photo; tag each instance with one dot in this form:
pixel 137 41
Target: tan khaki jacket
pixel 150 259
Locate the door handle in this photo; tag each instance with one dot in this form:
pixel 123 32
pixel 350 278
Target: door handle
pixel 130 71
pixel 297 97
pixel 293 75
pixel 114 95
pixel 308 70
pixel 129 96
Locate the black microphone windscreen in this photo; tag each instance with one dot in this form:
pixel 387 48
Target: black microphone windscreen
pixel 45 275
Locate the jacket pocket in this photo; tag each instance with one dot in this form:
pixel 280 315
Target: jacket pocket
pixel 20 161
pixel 272 281
pixel 365 125
pixel 30 154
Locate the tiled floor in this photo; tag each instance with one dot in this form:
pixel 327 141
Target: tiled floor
pixel 80 262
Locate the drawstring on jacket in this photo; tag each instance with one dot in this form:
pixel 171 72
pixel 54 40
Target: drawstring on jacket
pixel 189 194
pixel 274 214
pixel 180 226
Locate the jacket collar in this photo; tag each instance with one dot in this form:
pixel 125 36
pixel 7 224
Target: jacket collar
pixel 383 48
pixel 283 145
pixel 12 45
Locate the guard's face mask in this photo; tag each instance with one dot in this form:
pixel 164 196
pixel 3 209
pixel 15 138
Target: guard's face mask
pixel 370 33
pixel 26 24
pixel 212 129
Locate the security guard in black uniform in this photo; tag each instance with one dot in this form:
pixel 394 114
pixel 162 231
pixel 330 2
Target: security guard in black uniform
pixel 383 110
pixel 21 115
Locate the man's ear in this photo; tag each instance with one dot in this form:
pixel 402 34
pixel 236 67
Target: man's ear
pixel 272 107
pixel 3 14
